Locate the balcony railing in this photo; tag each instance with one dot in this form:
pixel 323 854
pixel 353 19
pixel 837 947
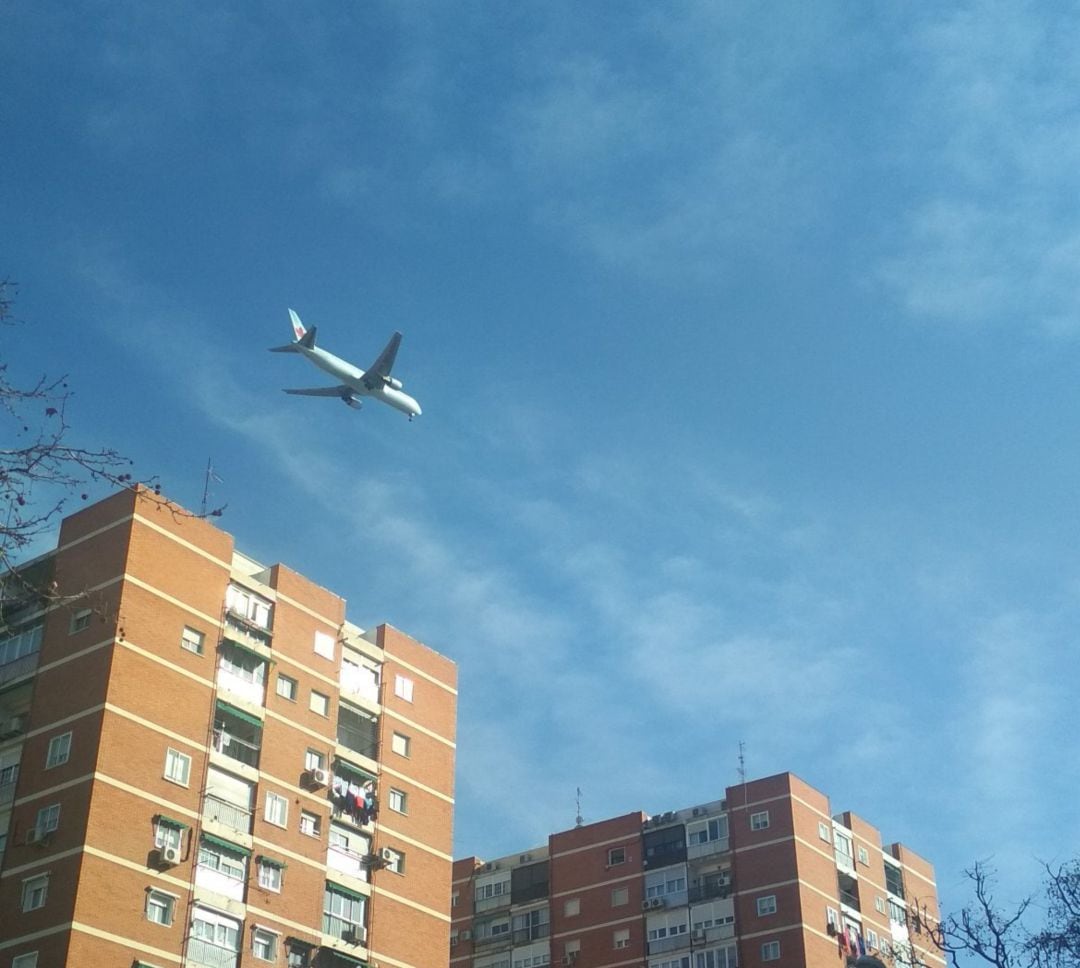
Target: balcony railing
pixel 340 927
pixel 492 903
pixel 347 861
pixel 227 814
pixel 17 668
pixel 238 749
pixel 359 741
pixel 206 954
pixel 846 897
pixel 707 892
pixel 532 933
pixel 670 943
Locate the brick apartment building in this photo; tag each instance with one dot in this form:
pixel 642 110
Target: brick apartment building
pixel 203 763
pixel 767 877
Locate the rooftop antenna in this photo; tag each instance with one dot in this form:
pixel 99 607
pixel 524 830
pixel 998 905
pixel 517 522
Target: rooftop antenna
pixel 210 476
pixel 742 771
pixel 579 819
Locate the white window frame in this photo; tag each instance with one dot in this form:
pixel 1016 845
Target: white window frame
pixel 35 889
pixel 403 688
pixel 80 620
pixel 192 640
pixel 766 905
pixel 395 861
pixel 314 759
pixel 287 687
pixel 879 904
pixel 759 820
pixel 319 699
pixel 324 645
pixel 864 856
pixel 823 831
pixel 270 937
pixel 398 800
pixel 167 835
pixel 166 902
pixel 620 938
pixel 616 856
pixel 28 959
pixel 770 951
pixel 269 876
pixel 400 744
pixel 571 907
pixel 620 896
pixel 310 823
pixel 173 758
pixel 59 750
pixel 48 819
pixel 276 809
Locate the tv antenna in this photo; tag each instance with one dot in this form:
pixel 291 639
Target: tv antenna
pixel 579 819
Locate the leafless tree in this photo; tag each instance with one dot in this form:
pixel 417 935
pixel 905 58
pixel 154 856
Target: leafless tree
pixel 40 468
pixel 1004 937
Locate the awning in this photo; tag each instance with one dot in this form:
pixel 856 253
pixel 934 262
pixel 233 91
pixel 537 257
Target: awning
pixel 348 892
pixel 169 822
pixel 239 714
pixel 343 766
pixel 271 861
pixel 226 845
pixel 347 959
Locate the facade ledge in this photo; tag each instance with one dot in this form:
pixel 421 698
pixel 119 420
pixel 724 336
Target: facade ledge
pixel 230 765
pixel 219 902
pixel 366 763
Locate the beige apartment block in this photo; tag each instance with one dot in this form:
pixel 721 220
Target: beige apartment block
pixel 766 877
pixel 204 763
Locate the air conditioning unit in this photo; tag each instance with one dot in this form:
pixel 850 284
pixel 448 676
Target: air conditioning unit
pixel 698 811
pixel 489 866
pixel 698 934
pixel 35 836
pixel 169 855
pixel 318 777
pixel 646 904
pixel 656 902
pixel 353 936
pixel 669 816
pixel 11 727
pixel 524 858
pixel 388 855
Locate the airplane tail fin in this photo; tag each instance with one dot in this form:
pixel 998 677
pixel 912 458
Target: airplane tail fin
pixel 304 337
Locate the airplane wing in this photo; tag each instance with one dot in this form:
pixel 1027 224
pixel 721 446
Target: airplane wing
pixel 339 391
pixel 380 369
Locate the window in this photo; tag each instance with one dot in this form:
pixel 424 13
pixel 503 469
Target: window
pixel 343 912
pixel 766 905
pixel 324 645
pixel 879 904
pixel 59 750
pixel 572 947
pixel 34 892
pixel 620 896
pixel 29 960
pixel 399 743
pixel 264 944
pixel 177 766
pixel 572 907
pixel 248 607
pixel 842 842
pixel 217 857
pixel 160 907
pixel 286 687
pixel 192 640
pixel 617 855
pixel 832 916
pixel 770 951
pixel 864 857
pixel 823 831
pixel 298 955
pixel 663 883
pixel 395 860
pixel 894 881
pixel 210 933
pixel 277 809
pixel 167 833
pixel 759 821
pixel 490 889
pixel 897 912
pixel 717 958
pixel 270 874
pixel 319 703
pixel 621 938
pixel 81 620
pixel 403 688
pixel 398 801
pixel 871 938
pixel 309 823
pixel 48 819
pixel 314 760
pixel 707 832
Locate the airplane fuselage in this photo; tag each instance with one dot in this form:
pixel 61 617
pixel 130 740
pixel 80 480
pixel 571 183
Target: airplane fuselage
pixel 353 377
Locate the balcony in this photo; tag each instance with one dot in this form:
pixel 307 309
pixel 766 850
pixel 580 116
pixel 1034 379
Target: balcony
pixel 358 680
pixel 8 778
pixel 344 929
pixel 230 815
pixel 348 861
pixel 670 943
pixel 492 903
pixel 708 892
pixel 237 734
pixel 18 668
pixel 358 732
pixel 235 748
pixel 206 954
pixel 851 900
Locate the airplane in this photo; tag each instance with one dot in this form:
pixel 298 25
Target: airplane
pixel 374 382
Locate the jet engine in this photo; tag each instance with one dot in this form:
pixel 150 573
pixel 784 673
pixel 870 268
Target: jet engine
pixel 350 400
pixel 391 382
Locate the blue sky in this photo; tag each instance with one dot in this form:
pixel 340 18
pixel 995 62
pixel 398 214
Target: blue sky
pixel 746 337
